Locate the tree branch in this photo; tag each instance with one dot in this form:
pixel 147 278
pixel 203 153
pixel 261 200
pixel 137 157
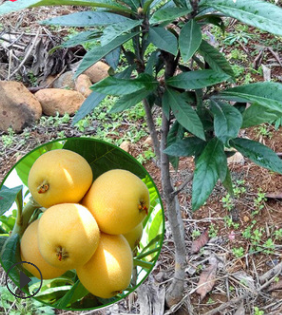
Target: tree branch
pixel 152 129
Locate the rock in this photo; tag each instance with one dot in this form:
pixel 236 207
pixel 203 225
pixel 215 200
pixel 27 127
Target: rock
pixel 125 146
pixel 148 141
pixel 66 80
pixel 83 84
pixel 237 158
pixel 59 100
pixel 18 107
pixel 49 82
pixel 98 71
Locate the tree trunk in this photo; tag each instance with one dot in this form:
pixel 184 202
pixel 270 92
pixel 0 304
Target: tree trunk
pixel 175 290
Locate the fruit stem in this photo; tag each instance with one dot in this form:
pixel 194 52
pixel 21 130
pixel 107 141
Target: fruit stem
pixel 142 207
pixel 42 188
pixel 24 216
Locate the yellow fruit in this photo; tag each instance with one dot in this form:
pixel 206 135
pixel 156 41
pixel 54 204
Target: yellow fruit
pixel 30 253
pixel 59 176
pixel 109 270
pixel 134 236
pixel 68 235
pixel 119 201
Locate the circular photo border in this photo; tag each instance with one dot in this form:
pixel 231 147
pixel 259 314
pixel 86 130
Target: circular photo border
pixel 66 292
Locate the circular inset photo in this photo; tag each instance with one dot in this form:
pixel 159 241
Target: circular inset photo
pixel 87 215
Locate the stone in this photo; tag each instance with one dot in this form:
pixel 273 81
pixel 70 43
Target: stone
pixel 98 71
pixel 83 84
pixel 65 81
pixel 148 141
pixel 125 146
pixel 19 108
pixel 59 100
pixel 236 158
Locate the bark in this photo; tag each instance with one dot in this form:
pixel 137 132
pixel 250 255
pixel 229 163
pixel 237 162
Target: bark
pixel 176 289
pixel 152 129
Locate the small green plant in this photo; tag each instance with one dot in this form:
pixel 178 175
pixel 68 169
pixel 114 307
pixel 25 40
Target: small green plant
pixel 228 202
pixel 15 306
pixel 238 252
pixel 195 234
pixel 230 224
pixel 210 301
pixel 213 230
pixel 257 311
pixel 264 131
pixel 278 234
pixel 8 140
pixel 258 203
pixel 268 246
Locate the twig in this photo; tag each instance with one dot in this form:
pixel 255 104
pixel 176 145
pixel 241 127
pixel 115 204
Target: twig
pixel 275 55
pixel 226 305
pixel 27 55
pixel 271 273
pixel 188 180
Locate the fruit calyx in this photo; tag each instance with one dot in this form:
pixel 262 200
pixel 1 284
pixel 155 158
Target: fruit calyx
pixel 61 253
pixel 142 207
pixel 42 188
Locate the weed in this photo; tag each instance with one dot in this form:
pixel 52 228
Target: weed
pixel 257 311
pixel 195 234
pixel 238 252
pixel 213 230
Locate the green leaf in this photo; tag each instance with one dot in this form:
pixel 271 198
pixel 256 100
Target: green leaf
pixel 260 14
pixel 211 165
pixel 91 102
pixel 116 86
pixel 113 31
pixel 103 156
pixel 112 58
pixel 267 94
pixel 7 197
pixel 96 53
pixel 134 4
pixel 256 115
pixel 81 38
pixel 10 255
pixel 215 59
pixel 3 240
pixel 9 6
pixel 151 63
pixel 163 39
pixel 190 39
pixel 197 79
pixel 258 153
pixel 87 19
pixel 130 100
pixel 190 146
pixel 227 121
pixel 77 292
pixel 214 19
pixel 175 134
pixel 168 15
pixel 184 113
pixel 227 183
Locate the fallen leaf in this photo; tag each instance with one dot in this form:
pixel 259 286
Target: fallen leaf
pixel 199 242
pixel 207 279
pixel 274 195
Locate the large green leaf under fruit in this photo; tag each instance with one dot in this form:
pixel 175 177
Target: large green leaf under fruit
pixel 7 197
pixel 103 157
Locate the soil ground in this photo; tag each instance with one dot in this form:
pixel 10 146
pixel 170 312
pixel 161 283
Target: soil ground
pixel 249 224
